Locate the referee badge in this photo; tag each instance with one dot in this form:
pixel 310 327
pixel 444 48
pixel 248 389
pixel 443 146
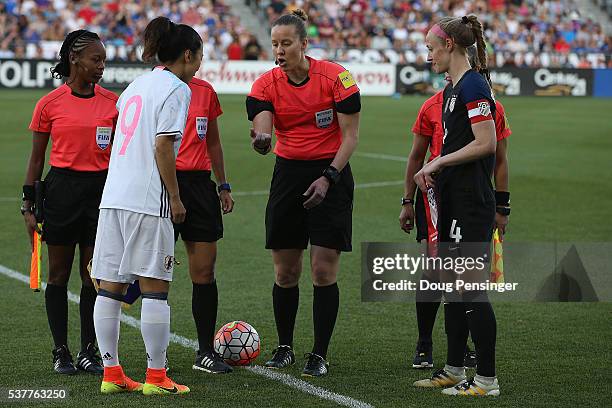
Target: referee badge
pixel 324 118
pixel 201 127
pixel 103 136
pixel 346 79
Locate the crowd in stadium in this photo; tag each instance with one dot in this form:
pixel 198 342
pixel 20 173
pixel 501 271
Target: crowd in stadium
pixel 512 26
pixel 27 26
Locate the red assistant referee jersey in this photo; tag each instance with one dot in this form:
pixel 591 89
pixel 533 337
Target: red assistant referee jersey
pixel 204 107
pixel 429 123
pixel 305 115
pixel 81 127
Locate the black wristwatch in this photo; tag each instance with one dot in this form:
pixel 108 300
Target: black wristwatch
pixel 502 210
pixel 407 201
pixel 332 174
pixel 224 187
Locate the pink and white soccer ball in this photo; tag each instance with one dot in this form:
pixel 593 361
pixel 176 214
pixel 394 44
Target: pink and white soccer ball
pixel 237 342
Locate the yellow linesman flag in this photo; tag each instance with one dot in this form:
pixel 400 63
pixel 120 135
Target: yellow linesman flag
pixel 497 266
pixel 36 262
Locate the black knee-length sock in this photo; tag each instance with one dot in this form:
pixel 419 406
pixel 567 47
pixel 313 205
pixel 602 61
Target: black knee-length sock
pixel 325 306
pixel 426 318
pixel 204 304
pixel 285 302
pixel 483 327
pixel 56 303
pixel 457 333
pixel 86 308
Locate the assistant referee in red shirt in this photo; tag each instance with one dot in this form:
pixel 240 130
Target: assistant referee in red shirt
pixel 201 152
pixel 314 107
pixel 79 117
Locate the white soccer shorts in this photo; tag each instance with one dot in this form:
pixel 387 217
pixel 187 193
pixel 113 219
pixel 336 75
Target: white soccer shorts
pixel 131 245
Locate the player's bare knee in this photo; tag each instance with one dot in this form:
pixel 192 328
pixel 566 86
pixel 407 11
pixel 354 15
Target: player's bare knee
pixel 323 274
pixel 287 276
pixel 86 279
pixel 113 288
pixel 153 285
pixel 203 275
pixel 58 277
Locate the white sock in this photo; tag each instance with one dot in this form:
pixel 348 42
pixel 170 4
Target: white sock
pixel 485 380
pixel 106 321
pixel 155 329
pixel 456 371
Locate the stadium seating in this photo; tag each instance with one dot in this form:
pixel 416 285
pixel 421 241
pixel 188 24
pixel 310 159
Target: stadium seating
pixel 524 33
pixel 34 28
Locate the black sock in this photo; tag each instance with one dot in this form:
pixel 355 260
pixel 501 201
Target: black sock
pixel 325 306
pixel 457 332
pixel 86 308
pixel 426 318
pixel 285 302
pixel 204 303
pixel 56 302
pixel 483 328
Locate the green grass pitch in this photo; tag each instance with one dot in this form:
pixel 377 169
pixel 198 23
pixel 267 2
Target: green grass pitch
pixel 548 354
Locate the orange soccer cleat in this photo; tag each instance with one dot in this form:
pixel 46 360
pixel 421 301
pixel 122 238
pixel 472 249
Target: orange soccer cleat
pixel 116 381
pixel 158 383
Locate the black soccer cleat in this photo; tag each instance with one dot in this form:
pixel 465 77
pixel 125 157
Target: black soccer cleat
pixel 316 366
pixel 470 360
pixel 62 361
pixel 423 358
pixel 283 357
pixel 89 360
pixel 211 362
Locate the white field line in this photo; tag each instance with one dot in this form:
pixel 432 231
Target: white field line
pixel 286 379
pixel 381 156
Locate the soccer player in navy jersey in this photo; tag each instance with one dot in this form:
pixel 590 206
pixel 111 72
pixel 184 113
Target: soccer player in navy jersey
pixel 461 177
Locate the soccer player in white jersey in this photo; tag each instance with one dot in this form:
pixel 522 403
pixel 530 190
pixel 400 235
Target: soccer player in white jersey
pixel 135 238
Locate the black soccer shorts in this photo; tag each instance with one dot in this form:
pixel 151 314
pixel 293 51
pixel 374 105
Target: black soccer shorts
pixel 71 206
pixel 203 221
pixel 290 226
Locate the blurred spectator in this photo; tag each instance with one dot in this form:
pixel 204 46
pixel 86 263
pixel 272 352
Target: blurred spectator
pixel 276 9
pixel 252 49
pixel 234 50
pixel 380 40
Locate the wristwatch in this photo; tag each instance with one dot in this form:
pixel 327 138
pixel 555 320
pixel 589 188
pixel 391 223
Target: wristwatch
pixel 224 187
pixel 24 209
pixel 407 201
pixel 332 174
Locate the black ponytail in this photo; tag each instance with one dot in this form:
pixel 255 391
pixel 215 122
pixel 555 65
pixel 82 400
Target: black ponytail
pixel 165 41
pixel 74 42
